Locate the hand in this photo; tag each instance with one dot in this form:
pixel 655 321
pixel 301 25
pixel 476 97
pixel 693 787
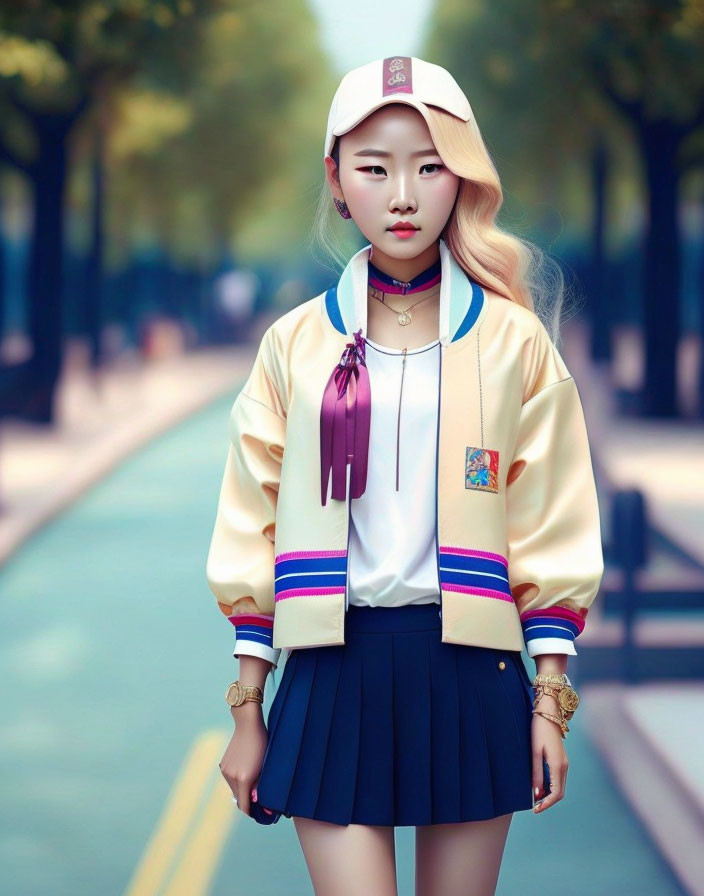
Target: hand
pixel 547 743
pixel 242 761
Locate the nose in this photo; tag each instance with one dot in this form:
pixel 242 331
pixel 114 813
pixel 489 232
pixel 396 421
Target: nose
pixel 402 199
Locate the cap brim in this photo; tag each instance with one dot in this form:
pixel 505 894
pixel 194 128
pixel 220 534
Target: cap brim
pixel 352 121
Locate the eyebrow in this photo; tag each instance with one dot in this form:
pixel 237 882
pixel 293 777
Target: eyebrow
pixel 383 154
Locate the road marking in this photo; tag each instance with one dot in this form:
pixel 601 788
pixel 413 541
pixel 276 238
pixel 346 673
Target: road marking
pixel 183 853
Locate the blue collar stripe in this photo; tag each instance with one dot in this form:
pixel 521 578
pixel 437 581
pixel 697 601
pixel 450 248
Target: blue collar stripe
pixel 333 308
pixel 472 313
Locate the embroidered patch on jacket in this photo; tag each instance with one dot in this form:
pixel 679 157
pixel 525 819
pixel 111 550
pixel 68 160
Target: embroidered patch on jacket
pixel 481 469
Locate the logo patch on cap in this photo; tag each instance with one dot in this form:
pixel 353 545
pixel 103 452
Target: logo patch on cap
pixel 397 75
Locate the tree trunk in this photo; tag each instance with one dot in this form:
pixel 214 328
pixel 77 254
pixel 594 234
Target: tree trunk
pixel 659 143
pixel 600 303
pixel 94 273
pixel 45 276
pixel 3 291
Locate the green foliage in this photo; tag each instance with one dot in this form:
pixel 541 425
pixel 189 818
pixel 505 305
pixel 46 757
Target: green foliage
pixel 59 51
pixel 546 78
pixel 212 112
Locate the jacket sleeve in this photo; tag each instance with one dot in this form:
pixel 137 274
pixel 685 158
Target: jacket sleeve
pixel 555 559
pixel 240 563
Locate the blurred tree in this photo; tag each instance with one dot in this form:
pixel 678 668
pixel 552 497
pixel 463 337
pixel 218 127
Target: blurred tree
pixel 231 159
pixel 569 85
pixel 190 127
pixel 522 109
pixel 3 287
pixel 645 60
pixel 56 59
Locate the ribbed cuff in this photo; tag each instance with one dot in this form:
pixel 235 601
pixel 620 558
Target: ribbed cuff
pixel 537 646
pixel 254 635
pixel 245 647
pixel 551 630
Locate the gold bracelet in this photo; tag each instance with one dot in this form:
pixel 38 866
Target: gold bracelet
pixel 563 725
pixel 558 686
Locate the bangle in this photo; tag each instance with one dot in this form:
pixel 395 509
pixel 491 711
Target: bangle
pixel 563 725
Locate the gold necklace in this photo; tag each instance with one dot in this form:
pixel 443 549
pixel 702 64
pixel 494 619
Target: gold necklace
pixel 404 318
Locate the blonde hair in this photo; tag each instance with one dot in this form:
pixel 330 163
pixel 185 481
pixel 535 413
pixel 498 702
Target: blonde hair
pixel 509 265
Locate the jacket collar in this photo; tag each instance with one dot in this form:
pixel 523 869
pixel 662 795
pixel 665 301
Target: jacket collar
pixel 461 298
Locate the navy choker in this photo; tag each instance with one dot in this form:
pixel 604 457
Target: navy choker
pixel 425 280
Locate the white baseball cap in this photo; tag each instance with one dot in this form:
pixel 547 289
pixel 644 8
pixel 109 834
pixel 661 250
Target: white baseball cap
pixel 396 79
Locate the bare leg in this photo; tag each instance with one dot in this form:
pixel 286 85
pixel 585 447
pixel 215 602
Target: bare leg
pixel 460 859
pixel 346 860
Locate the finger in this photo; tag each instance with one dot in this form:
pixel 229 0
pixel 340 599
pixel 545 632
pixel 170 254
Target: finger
pixel 244 800
pixel 537 774
pixel 546 795
pixel 558 774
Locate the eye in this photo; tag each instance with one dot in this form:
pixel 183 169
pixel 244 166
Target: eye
pixel 371 167
pixel 431 165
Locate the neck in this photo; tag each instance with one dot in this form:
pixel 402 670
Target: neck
pixel 405 269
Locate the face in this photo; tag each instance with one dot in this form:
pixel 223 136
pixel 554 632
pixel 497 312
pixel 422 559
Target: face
pixel 390 172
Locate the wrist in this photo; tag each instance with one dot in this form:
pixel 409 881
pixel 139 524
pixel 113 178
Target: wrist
pixel 548 702
pixel 250 709
pixel 547 663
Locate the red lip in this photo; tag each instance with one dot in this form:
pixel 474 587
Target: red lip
pixel 403 225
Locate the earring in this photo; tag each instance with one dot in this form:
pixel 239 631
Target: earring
pixel 342 207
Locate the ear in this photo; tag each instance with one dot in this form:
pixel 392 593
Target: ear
pixel 332 175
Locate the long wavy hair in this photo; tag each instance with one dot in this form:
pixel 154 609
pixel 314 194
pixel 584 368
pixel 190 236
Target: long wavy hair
pixel 512 266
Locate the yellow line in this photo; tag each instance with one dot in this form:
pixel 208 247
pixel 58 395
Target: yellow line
pixel 199 859
pixel 167 842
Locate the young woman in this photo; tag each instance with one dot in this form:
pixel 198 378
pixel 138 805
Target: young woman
pixel 408 500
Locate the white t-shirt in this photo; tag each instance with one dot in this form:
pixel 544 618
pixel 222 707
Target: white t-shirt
pixel 392 546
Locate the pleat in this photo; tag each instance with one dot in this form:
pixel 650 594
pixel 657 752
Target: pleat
pixel 513 698
pixel 394 731
pixel 522 693
pixel 445 732
pixel 524 678
pixel 530 703
pixel 273 718
pixel 277 775
pixel 476 780
pixel 411 722
pixel 305 787
pixel 337 785
pixel 374 790
pixel 502 703
pixel 396 727
pixel 280 695
pixel 428 734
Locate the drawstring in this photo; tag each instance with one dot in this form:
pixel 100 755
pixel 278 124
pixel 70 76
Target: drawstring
pixel 345 418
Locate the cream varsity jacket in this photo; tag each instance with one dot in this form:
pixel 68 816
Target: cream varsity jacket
pixel 518 537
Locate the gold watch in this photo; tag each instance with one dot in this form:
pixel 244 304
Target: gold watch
pixel 238 693
pixel 558 686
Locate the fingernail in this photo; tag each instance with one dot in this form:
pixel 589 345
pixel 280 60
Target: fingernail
pixel 254 794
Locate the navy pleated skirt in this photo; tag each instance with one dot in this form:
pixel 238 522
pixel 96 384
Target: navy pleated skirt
pixel 396 727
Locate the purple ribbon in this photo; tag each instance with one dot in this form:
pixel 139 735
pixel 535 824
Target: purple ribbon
pixel 345 418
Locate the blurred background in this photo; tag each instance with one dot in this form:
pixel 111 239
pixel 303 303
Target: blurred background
pixel 160 166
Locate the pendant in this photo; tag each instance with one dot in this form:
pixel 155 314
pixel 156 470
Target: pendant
pixel 404 318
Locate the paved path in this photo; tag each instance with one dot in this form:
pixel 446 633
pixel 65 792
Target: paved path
pixel 664 458
pixel 650 735
pixel 100 420
pixel 114 661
